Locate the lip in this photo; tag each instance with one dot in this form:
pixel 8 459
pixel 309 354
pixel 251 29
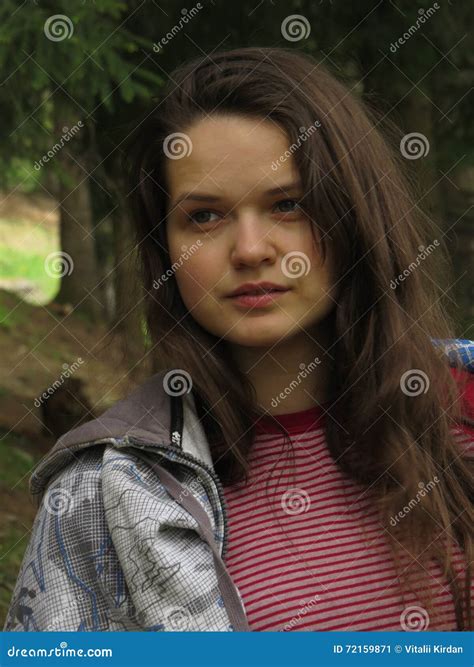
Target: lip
pixel 252 287
pixel 257 300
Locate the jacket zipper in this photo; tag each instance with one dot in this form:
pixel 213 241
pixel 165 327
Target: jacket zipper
pixel 189 461
pixel 181 457
pixel 184 459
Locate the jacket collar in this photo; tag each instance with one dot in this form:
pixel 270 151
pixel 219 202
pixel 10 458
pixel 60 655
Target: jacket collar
pixel 148 413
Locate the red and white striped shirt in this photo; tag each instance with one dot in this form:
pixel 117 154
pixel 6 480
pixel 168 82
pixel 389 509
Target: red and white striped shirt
pixel 316 557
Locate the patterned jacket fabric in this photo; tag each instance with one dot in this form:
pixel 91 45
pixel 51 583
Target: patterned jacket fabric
pixel 116 546
pixel 110 548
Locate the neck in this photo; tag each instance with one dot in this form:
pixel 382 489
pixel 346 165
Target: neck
pixel 290 376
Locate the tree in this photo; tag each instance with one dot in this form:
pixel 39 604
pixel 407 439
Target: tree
pixel 62 64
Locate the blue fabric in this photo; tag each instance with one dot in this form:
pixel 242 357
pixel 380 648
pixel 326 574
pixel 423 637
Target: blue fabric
pixel 460 352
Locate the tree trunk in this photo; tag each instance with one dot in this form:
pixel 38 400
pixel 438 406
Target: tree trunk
pixel 76 263
pixel 104 252
pixel 128 295
pixel 79 278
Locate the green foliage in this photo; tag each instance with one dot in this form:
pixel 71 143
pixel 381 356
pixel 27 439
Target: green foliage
pixel 47 81
pixel 24 247
pixel 9 317
pixel 13 542
pixel 29 265
pixel 106 72
pixel 18 175
pixel 16 462
pixel 16 516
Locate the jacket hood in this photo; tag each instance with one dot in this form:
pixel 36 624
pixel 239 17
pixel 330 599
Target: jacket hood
pixel 148 414
pixel 152 415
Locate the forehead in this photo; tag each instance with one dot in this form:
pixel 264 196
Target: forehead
pixel 231 154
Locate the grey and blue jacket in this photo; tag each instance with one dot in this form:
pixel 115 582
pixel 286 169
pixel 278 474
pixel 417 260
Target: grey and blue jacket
pixel 131 531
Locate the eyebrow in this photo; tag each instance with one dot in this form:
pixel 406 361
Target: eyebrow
pixel 195 196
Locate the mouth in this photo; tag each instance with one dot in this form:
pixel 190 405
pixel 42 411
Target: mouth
pixel 257 298
pixel 256 289
pixel 260 291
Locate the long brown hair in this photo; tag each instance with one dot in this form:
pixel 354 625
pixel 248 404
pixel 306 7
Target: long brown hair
pixel 387 436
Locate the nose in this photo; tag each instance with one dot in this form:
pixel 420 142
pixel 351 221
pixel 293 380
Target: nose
pixel 252 243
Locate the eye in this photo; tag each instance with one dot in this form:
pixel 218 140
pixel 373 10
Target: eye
pixel 289 206
pixel 203 216
pixel 200 217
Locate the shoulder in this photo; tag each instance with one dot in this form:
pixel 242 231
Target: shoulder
pixel 71 573
pixel 85 480
pixel 460 353
pixel 77 480
pixel 68 526
pixel 464 430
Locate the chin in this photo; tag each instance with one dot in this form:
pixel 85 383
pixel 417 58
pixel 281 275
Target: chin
pixel 257 338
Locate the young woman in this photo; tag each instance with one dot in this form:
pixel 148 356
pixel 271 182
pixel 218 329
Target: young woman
pixel 301 460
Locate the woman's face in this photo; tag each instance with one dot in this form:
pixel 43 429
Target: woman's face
pixel 237 231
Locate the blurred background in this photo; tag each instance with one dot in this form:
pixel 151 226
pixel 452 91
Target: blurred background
pixel 75 77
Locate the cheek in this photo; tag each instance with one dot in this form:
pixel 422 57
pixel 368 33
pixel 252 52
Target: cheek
pixel 195 271
pixel 196 277
pixel 320 285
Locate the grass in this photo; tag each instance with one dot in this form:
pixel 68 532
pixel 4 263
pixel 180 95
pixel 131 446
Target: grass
pixel 28 265
pixel 11 317
pixel 16 462
pixel 24 248
pixel 17 514
pixel 14 540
